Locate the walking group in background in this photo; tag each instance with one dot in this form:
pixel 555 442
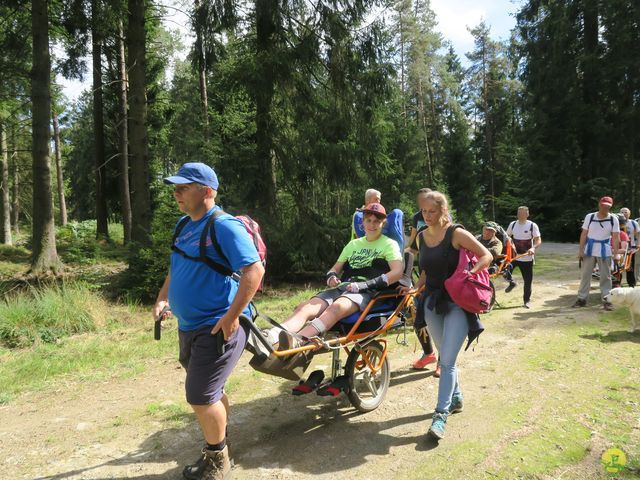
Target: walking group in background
pixel 608 242
pixel 206 294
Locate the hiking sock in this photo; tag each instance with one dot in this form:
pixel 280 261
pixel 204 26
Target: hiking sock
pixel 217 446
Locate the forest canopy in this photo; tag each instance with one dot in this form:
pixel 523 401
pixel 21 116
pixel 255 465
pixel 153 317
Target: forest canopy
pixel 300 107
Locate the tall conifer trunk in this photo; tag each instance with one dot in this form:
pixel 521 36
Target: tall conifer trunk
pixel 62 205
pixel 139 158
pixel 202 66
pixel 266 24
pixel 5 205
pixel 15 176
pixel 123 143
pixel 591 76
pixel 45 256
pixel 102 222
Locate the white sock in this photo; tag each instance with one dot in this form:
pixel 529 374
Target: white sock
pixel 273 335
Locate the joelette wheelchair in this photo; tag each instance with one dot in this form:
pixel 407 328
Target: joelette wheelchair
pixel 366 374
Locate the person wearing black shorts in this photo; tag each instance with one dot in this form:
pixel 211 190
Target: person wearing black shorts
pixel 208 304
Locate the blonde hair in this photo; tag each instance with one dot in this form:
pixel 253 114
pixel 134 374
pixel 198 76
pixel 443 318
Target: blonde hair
pixel 370 194
pixel 443 204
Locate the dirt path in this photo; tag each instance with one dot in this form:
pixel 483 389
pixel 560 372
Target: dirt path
pixel 141 427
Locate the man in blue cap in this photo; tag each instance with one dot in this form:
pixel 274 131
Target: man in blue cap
pixel 207 303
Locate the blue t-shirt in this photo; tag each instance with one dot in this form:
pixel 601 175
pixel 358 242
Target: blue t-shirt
pixel 199 295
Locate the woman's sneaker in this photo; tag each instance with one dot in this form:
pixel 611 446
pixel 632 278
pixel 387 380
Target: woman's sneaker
pixel 437 425
pixel 456 404
pixel 423 361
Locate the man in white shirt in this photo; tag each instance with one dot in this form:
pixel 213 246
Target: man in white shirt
pixel 526 237
pixel 633 230
pixel 598 229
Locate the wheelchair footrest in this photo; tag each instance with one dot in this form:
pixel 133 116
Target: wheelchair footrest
pixel 310 384
pixel 333 389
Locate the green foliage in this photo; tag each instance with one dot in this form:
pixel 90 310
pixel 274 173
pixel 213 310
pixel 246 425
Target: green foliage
pixel 46 315
pixel 149 266
pixel 77 243
pixel 308 107
pixel 577 113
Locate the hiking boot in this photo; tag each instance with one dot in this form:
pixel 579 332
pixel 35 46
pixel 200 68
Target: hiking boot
pixel 212 465
pixel 456 405
pixel 423 361
pixel 510 287
pixel 288 341
pixel 437 425
pixel 579 303
pixel 607 306
pixel 437 372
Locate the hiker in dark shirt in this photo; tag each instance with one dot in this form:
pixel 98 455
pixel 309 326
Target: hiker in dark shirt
pixel 448 324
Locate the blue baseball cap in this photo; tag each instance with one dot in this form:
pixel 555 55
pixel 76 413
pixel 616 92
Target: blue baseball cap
pixel 194 172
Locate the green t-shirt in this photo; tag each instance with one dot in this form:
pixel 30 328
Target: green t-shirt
pixel 364 260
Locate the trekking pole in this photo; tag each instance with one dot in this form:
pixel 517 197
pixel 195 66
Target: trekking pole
pixel 157 333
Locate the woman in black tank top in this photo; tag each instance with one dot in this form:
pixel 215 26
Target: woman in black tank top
pixel 447 323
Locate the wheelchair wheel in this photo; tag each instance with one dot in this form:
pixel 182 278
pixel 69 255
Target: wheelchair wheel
pixel 366 388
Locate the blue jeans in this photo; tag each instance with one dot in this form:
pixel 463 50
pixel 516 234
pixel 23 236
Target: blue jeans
pixel 448 332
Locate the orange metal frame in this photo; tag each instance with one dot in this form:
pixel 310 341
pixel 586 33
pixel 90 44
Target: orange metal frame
pixel 506 259
pixel 352 336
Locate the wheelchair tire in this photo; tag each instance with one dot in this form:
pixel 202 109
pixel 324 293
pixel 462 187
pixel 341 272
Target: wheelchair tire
pixel 366 390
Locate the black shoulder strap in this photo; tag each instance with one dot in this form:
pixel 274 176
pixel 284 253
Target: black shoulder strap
pixel 183 221
pixel 221 269
pixel 448 237
pixel 209 229
pixel 211 226
pixel 608 219
pixel 511 225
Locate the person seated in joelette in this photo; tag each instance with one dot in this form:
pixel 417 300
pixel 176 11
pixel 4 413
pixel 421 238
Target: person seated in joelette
pixel 489 240
pixel 366 264
pixel 624 238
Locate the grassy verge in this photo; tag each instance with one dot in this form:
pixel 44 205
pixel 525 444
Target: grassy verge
pixel 48 314
pixel 121 346
pixel 38 348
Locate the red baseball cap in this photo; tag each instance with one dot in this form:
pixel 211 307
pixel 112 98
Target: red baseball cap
pixel 376 208
pixel 606 201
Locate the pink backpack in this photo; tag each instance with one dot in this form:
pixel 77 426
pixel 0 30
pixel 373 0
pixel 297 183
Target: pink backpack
pixel 471 292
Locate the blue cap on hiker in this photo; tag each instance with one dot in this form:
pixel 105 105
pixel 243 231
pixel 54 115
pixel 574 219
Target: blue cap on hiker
pixel 194 172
